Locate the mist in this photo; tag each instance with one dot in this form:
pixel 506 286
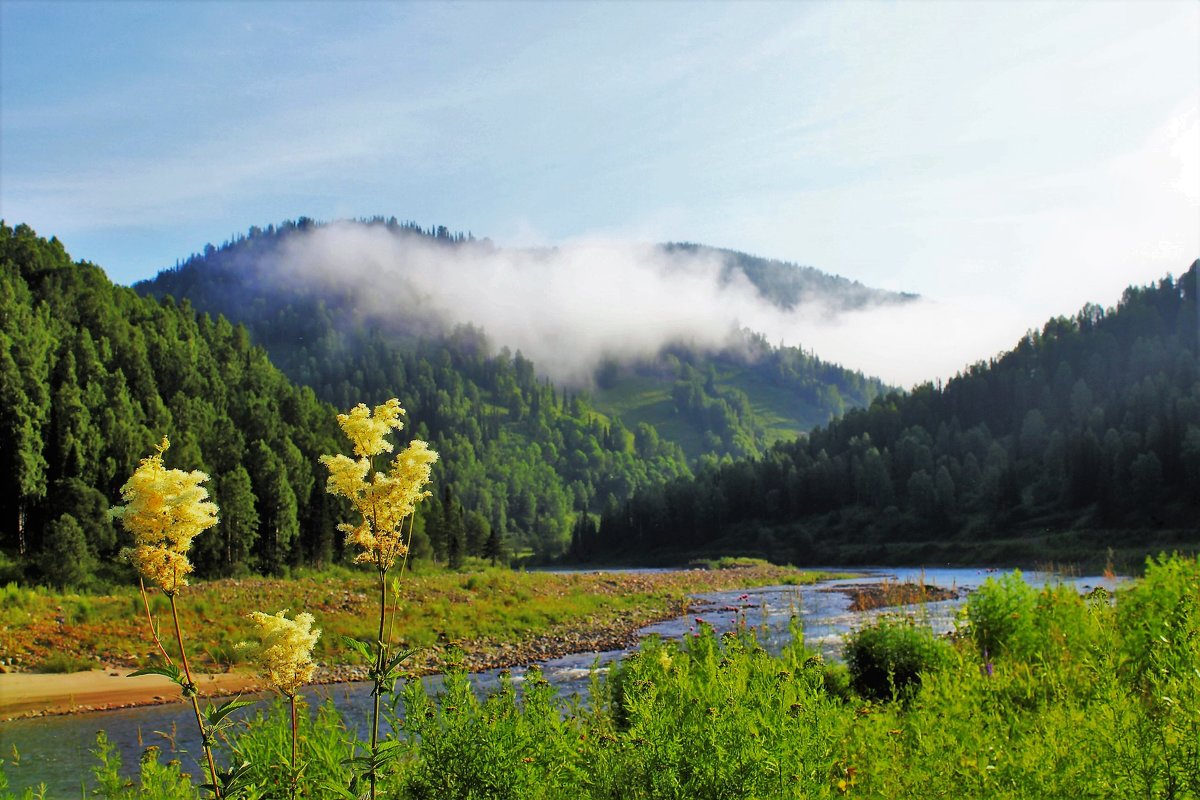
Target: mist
pixel 571 307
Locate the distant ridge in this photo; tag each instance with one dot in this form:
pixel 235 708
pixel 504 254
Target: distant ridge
pixel 789 285
pixel 768 392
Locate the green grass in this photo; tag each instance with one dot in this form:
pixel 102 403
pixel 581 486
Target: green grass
pixel 644 398
pixel 63 662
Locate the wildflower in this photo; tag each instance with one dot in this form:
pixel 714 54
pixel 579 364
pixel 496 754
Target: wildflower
pixel 366 430
pixel 382 499
pixel 165 509
pixel 284 650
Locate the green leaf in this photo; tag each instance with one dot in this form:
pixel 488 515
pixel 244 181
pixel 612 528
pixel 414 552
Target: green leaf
pixel 233 781
pixel 216 715
pixel 362 648
pixel 167 670
pixel 398 659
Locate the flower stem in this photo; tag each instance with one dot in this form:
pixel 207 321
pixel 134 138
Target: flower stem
pixel 150 622
pixel 380 665
pixel 189 689
pixel 403 562
pixel 294 773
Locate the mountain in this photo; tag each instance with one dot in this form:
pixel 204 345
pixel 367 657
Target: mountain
pixel 317 297
pixel 1082 441
pixel 93 375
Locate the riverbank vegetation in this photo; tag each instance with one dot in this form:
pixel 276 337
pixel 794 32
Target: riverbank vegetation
pixel 496 615
pixel 1040 693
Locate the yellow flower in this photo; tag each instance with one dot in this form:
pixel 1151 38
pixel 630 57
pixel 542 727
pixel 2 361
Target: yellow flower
pixel 284 649
pixel 366 430
pixel 382 499
pixel 165 509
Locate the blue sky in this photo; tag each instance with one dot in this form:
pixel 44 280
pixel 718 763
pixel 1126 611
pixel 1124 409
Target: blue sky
pixel 1010 155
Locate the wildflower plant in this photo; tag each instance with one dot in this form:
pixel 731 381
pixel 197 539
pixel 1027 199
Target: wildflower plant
pixel 384 500
pixel 165 509
pixel 283 653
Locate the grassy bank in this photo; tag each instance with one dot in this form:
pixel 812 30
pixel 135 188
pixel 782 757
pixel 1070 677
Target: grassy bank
pixel 496 615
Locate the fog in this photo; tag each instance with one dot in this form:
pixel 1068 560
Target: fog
pixel 570 307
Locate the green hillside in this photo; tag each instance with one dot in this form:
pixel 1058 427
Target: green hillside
pixel 93 376
pixel 757 394
pixel 1083 440
pixel 769 406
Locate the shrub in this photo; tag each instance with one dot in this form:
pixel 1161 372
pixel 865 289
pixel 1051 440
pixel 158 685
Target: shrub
pixel 1001 616
pixel 886 659
pixel 65 559
pixel 1160 616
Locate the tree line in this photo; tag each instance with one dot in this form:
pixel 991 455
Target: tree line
pixel 1090 424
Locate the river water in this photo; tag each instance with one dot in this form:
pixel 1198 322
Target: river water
pixel 56 751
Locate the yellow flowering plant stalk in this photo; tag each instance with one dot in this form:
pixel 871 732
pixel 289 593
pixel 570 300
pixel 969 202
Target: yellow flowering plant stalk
pixel 164 510
pixel 283 654
pixel 383 500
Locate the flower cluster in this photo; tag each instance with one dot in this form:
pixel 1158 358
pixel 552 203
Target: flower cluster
pixel 165 509
pixel 382 499
pixel 284 650
pixel 366 430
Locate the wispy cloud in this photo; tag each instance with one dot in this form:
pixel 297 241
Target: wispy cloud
pixel 572 306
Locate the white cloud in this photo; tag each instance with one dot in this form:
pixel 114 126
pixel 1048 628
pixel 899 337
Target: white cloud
pixel 569 307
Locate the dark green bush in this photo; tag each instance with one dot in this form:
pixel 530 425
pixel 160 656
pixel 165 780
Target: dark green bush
pixel 886 658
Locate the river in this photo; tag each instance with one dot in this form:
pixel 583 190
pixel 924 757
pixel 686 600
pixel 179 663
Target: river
pixel 56 751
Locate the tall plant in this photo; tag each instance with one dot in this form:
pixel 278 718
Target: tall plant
pixel 165 509
pixel 283 653
pixel 384 500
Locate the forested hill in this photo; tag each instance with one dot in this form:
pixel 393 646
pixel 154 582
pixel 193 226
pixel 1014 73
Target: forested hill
pixel 735 401
pixel 93 375
pixel 1085 436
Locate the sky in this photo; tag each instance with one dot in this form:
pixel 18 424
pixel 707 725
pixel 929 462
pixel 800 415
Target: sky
pixel 1008 161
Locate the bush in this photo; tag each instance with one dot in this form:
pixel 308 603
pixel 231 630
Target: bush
pixel 1160 617
pixel 886 659
pixel 1001 616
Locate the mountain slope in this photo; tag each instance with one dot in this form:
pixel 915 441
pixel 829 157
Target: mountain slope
pixel 316 314
pixel 1085 436
pixel 93 376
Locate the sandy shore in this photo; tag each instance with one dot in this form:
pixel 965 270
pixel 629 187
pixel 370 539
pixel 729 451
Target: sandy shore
pixel 38 694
